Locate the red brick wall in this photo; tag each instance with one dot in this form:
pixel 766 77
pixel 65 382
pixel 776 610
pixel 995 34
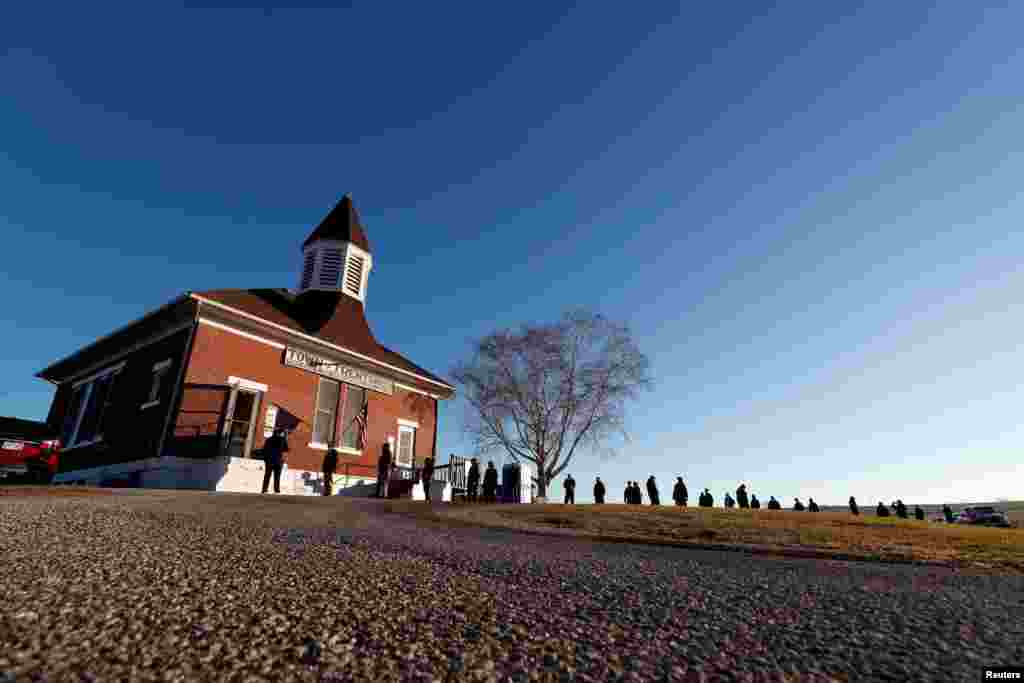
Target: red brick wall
pixel 218 354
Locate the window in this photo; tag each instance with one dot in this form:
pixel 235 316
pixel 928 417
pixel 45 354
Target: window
pixel 326 409
pixel 406 445
pixel 353 417
pixel 89 413
pixel 341 412
pixel 160 375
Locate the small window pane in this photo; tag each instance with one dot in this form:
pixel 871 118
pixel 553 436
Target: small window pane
pixel 106 409
pixel 327 398
pixel 71 416
pixel 97 397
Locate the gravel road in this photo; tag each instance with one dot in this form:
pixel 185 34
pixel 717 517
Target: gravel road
pixel 189 586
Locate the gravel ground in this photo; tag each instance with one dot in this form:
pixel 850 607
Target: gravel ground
pixel 189 586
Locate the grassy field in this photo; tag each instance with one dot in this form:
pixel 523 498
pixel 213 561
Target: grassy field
pixel 837 534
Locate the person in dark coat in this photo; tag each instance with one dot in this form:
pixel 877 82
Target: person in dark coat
pixel 797 505
pixel 812 506
pixel 709 500
pixel 274 449
pixel 329 467
pixel 383 470
pixel 774 504
pixel 901 509
pixel 853 506
pixel 728 501
pixel 918 513
pixel 427 476
pixel 627 493
pixel 599 492
pixel 741 496
pixel 881 510
pixel 755 504
pixel 473 480
pixel 490 482
pixel 570 490
pixel 679 493
pixel 947 513
pixel 652 491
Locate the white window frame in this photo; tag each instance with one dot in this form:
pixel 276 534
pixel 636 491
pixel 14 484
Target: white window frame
pixel 84 405
pixel 159 370
pixel 320 446
pixel 412 448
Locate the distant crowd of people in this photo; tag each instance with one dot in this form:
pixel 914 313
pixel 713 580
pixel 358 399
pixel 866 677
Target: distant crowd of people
pixel 633 495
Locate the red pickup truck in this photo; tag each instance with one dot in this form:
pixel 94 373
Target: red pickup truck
pixel 28 451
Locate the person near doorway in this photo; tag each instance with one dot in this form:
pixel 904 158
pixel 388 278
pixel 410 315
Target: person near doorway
pixel 330 465
pixel 570 490
pixel 274 449
pixel 384 470
pixel 599 492
pixel 473 480
pixel 427 476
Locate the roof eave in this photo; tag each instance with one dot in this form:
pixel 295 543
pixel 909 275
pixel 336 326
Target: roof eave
pixel 45 373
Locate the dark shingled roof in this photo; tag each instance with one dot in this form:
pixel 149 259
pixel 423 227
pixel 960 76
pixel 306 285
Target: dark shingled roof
pixel 342 223
pixel 331 316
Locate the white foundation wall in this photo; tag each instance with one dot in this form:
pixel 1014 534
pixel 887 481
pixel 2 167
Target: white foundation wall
pixel 235 475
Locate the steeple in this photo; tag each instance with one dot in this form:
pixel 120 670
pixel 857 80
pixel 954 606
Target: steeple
pixel 336 255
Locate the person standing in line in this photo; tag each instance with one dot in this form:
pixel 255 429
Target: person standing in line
pixel 427 476
pixel 853 506
pixel 274 449
pixel 901 509
pixel 490 482
pixel 881 510
pixel 627 493
pixel 329 467
pixel 652 491
pixel 797 505
pixel 774 504
pixel 741 497
pixel 383 470
pixel 918 513
pixel 679 492
pixel 755 504
pixel 599 492
pixel 473 480
pixel 728 500
pixel 638 495
pixel 947 513
pixel 812 506
pixel 570 490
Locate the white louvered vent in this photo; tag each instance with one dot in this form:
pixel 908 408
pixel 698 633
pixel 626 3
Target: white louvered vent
pixel 330 268
pixel 354 275
pixel 307 269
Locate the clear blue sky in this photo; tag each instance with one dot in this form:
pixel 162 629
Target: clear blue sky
pixel 810 216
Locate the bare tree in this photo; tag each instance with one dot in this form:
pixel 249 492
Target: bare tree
pixel 545 391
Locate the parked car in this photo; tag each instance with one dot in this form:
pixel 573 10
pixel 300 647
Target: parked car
pixel 28 451
pixel 984 515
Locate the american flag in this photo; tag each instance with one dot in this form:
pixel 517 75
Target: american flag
pixel 360 420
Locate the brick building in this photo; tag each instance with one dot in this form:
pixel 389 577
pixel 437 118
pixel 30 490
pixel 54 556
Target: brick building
pixel 185 396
